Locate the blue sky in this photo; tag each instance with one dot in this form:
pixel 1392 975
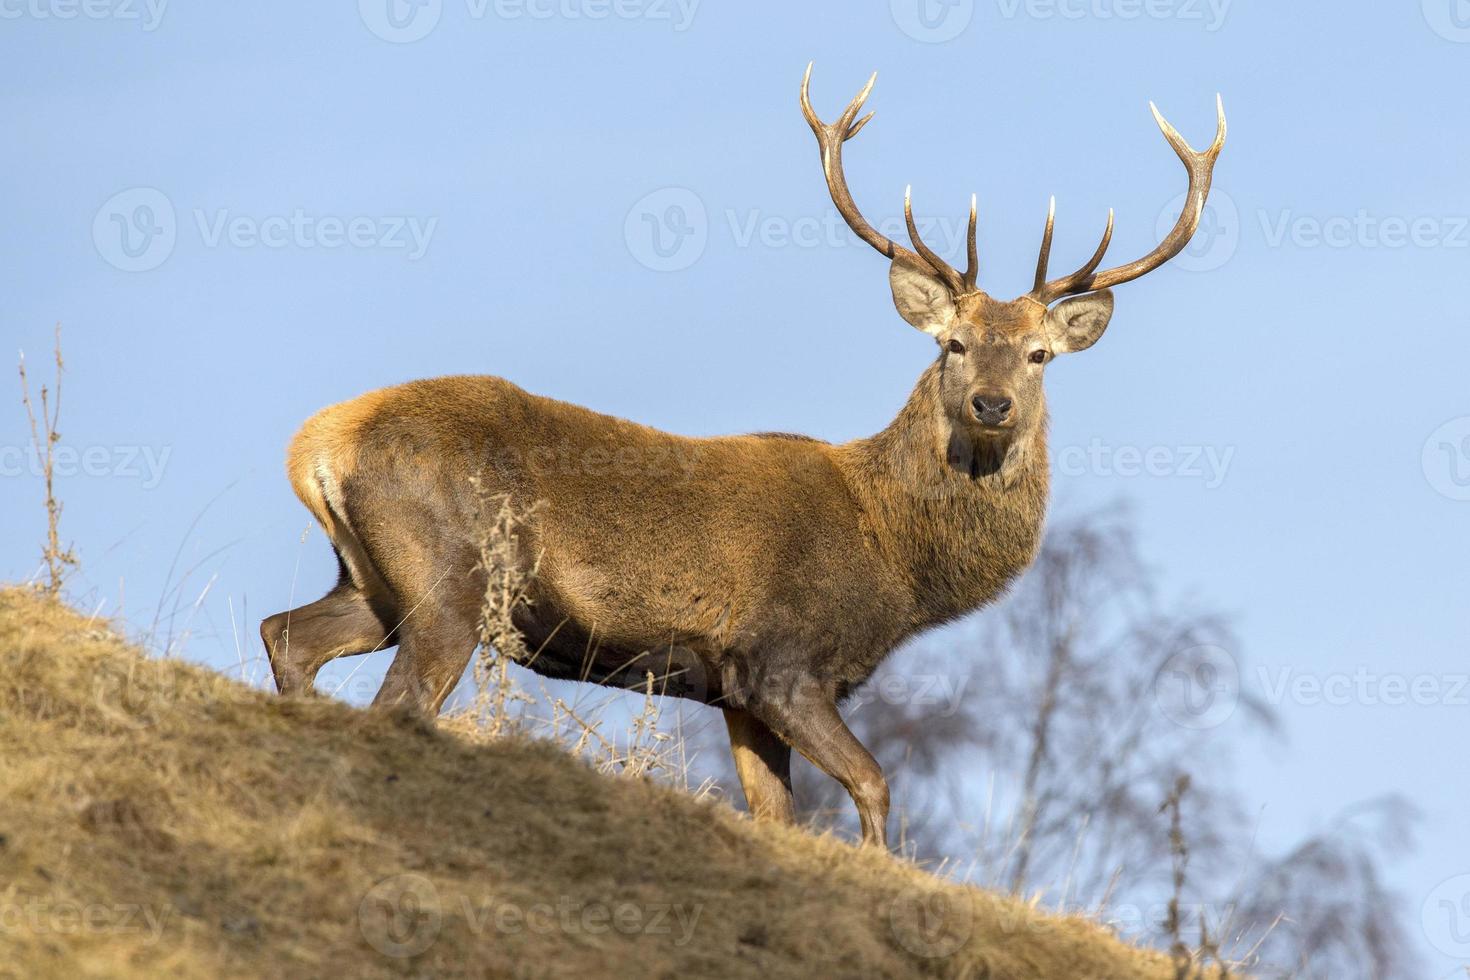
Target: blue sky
pixel 244 213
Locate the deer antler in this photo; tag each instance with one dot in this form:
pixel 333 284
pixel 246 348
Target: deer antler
pixel 830 139
pixel 1201 167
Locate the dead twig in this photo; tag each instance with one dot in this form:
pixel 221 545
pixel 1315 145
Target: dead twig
pixel 44 437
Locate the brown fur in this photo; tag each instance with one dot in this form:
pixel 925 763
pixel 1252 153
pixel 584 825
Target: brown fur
pixel 753 572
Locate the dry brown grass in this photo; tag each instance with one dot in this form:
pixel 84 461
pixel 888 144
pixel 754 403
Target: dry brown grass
pixel 157 818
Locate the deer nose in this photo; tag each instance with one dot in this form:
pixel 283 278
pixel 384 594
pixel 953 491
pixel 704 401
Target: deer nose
pixel 991 408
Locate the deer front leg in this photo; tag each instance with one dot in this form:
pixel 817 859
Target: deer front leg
pixel 763 763
pixel 809 722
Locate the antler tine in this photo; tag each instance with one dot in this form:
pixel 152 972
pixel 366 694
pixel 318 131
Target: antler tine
pixel 941 267
pixel 1070 284
pixel 1044 259
pixel 844 123
pixel 1200 167
pixel 830 139
pixel 972 260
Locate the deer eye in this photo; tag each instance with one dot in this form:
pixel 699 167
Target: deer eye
pixel 1038 356
pixel 955 347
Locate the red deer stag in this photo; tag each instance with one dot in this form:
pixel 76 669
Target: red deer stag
pixel 766 574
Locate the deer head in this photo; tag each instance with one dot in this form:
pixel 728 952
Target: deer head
pixel 993 352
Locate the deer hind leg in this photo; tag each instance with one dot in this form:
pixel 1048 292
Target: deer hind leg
pixel 359 615
pixel 434 648
pixel 301 640
pixel 763 763
pixel 811 724
pixel 439 625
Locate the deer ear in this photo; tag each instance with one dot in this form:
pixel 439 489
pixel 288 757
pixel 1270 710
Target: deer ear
pixel 1075 324
pixel 922 298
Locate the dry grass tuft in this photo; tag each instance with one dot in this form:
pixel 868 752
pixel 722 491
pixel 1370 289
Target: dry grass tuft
pixel 159 819
pixel 506 580
pixel 500 707
pixel 59 559
pixel 1189 964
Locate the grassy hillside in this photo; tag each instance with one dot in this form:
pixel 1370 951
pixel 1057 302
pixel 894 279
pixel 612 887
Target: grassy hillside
pixel 158 818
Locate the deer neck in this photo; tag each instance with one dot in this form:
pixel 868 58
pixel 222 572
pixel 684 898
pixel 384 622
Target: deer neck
pixel 961 517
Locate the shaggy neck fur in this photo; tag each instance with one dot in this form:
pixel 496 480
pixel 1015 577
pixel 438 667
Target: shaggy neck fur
pixel 959 515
